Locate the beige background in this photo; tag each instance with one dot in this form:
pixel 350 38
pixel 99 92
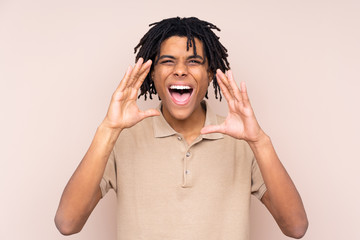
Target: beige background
pixel 60 61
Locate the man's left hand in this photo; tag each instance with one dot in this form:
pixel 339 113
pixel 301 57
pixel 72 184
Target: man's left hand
pixel 240 122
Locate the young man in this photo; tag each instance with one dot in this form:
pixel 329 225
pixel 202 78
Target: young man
pixel 180 171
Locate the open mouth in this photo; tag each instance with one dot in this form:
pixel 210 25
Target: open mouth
pixel 180 94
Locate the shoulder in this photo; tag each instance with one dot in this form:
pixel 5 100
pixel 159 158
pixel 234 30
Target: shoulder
pixel 139 132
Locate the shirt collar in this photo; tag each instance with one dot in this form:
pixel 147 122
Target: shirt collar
pixel 163 129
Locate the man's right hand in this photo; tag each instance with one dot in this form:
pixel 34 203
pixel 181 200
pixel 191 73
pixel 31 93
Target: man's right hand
pixel 82 193
pixel 123 111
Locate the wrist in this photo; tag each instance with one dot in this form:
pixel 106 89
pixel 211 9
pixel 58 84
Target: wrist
pixel 109 133
pixel 110 126
pixel 262 141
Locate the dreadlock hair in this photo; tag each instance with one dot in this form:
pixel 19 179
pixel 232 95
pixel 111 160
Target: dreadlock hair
pixel 149 47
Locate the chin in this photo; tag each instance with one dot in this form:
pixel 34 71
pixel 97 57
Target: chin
pixel 180 115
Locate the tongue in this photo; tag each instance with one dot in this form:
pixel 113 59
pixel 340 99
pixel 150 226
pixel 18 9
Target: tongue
pixel 180 97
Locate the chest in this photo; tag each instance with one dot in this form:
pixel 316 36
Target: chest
pixel 169 163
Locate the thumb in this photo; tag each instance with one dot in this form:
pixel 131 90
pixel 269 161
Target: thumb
pixel 212 129
pixel 150 113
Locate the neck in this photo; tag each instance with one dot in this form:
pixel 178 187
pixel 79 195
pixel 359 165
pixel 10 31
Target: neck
pixel 189 127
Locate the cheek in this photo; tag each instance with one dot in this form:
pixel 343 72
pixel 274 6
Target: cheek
pixel 201 77
pixel 199 71
pixel 160 73
pixel 158 78
pixel 159 87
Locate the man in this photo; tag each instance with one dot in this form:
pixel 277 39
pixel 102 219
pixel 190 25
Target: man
pixel 180 171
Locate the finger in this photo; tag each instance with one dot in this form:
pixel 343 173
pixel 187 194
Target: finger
pixel 226 82
pixel 125 79
pixel 224 88
pixel 145 72
pixel 244 93
pixel 235 88
pixel 212 129
pixel 143 68
pixel 135 73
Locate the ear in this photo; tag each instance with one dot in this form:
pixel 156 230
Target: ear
pixel 152 75
pixel 210 76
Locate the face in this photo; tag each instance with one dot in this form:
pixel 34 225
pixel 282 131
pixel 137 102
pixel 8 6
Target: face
pixel 181 79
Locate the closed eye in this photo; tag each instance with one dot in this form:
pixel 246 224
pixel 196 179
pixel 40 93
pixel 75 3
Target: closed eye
pixel 195 61
pixel 166 61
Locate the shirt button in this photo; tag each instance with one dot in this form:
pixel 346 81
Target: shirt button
pixel 188 154
pixel 187 172
pixel 179 138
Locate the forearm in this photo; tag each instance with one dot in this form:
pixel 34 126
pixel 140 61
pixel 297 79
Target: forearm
pixel 81 194
pixel 283 199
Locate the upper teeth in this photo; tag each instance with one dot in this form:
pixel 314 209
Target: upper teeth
pixel 179 87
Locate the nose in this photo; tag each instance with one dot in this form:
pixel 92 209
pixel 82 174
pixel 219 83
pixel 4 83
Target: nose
pixel 180 70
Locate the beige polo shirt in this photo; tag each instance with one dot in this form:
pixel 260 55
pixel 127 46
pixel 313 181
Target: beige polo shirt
pixel 167 189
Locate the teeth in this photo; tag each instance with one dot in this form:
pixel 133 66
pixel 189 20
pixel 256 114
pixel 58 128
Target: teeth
pixel 179 87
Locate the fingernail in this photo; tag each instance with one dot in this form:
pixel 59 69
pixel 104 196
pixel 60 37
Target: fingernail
pixel 140 60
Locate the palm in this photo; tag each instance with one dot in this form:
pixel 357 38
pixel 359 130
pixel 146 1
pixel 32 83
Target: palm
pixel 123 111
pixel 240 122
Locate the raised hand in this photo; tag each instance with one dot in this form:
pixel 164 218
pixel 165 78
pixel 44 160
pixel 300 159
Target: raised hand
pixel 240 122
pixel 281 197
pixel 123 111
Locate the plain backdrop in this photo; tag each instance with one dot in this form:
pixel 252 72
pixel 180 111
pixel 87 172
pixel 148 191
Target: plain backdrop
pixel 60 62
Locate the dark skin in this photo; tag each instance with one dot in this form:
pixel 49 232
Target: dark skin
pixel 181 67
pixel 178 67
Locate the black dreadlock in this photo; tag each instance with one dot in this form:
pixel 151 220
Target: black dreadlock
pixel 149 46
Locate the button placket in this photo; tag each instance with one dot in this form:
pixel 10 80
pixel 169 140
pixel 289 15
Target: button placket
pixel 186 171
pixel 187 157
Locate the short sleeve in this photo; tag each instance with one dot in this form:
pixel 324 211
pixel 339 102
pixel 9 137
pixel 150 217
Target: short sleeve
pixel 258 187
pixel 108 180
